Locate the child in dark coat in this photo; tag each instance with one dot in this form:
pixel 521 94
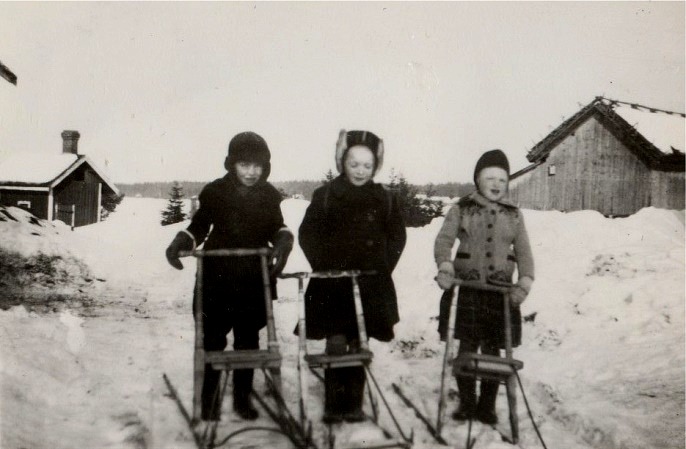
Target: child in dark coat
pixel 352 223
pixel 493 240
pixel 240 210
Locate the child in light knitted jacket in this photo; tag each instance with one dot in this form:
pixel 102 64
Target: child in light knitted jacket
pixel 493 240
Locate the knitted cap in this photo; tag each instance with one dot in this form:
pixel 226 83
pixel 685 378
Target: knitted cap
pixel 350 139
pixel 248 147
pixel 493 158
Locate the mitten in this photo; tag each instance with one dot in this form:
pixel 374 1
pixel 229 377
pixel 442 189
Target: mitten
pixel 283 244
pixel 446 275
pixel 520 290
pixel 182 242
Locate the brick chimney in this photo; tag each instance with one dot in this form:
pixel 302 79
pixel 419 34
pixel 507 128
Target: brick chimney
pixel 70 142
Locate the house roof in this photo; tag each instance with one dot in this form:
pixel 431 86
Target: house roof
pixel 655 136
pixel 44 170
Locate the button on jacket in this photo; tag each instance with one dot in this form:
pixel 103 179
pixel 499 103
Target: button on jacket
pixel 493 239
pixel 348 227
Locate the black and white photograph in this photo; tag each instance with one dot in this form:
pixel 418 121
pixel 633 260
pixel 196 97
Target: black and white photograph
pixel 345 224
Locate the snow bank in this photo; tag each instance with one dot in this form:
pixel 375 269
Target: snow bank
pixel 603 356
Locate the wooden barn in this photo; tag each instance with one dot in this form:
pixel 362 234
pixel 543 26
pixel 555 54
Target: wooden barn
pixel 63 186
pixel 611 156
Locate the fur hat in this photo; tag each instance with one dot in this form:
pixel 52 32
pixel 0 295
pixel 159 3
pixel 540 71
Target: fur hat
pixel 248 147
pixel 350 139
pixel 493 158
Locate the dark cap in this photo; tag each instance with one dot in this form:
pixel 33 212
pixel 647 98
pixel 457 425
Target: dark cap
pixel 248 147
pixel 492 158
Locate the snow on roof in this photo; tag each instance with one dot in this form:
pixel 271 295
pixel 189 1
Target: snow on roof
pixel 35 168
pixel 662 130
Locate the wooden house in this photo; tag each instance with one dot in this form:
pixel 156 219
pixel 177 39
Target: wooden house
pixel 65 186
pixel 610 156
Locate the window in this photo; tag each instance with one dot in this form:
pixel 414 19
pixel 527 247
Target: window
pixel 24 204
pixel 551 170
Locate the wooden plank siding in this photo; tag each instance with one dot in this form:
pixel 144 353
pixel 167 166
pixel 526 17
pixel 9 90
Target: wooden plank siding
pixel 82 194
pixel 667 190
pixel 38 200
pixel 593 170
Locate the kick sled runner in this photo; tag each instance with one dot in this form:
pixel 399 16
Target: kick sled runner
pixel 311 363
pixel 268 361
pixel 480 366
pixel 297 429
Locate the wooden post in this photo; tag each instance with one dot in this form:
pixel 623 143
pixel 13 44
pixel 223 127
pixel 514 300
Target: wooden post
pixel 199 354
pixel 511 382
pixel 272 342
pixel 73 216
pixel 302 352
pixel 446 358
pixel 359 312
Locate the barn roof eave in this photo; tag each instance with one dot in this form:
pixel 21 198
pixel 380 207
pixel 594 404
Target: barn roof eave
pixel 636 143
pixel 24 186
pixel 80 161
pixel 524 170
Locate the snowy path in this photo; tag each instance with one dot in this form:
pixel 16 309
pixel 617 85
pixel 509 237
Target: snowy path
pixel 604 358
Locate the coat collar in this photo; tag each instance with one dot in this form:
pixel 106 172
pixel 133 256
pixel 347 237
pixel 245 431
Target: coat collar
pixel 483 201
pixel 340 187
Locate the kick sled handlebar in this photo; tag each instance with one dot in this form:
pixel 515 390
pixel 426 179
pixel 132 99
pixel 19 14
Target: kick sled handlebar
pixel 227 252
pixel 492 286
pixel 329 274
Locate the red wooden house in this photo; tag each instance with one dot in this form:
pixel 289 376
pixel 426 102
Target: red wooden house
pixel 65 186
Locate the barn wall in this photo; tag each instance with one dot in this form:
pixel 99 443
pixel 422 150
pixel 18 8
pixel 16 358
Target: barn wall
pixel 39 201
pixel 593 170
pixel 667 190
pixel 80 188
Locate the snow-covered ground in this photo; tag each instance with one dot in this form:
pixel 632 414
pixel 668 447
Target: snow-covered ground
pixel 604 356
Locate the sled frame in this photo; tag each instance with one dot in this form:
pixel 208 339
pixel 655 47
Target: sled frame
pixel 362 358
pixel 481 366
pixel 228 360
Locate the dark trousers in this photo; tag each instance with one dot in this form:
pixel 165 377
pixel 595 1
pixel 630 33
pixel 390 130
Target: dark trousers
pixel 466 385
pixel 344 387
pixel 245 336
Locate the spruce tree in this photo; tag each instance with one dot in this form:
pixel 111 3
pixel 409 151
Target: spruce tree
pixel 109 203
pixel 416 211
pixel 328 176
pixel 174 212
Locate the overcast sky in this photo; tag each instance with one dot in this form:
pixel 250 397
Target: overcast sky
pixel 157 90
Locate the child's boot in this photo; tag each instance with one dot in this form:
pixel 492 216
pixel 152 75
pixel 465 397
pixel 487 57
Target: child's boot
pixel 334 396
pixel 242 387
pixel 485 410
pixel 355 378
pixel 467 390
pixel 334 386
pixel 209 399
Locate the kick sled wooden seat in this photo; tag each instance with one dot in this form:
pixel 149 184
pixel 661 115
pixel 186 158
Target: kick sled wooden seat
pixel 363 357
pixel 483 366
pixel 228 360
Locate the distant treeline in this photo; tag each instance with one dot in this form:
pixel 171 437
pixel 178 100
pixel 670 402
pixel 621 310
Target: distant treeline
pixel 288 188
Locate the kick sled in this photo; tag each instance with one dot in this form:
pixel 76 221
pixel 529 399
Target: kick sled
pixel 480 366
pixel 311 363
pixel 268 361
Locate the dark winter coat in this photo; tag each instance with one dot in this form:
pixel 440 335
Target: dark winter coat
pixel 493 241
pixel 235 216
pixel 345 228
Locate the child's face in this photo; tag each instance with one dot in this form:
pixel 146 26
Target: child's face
pixel 359 165
pixel 248 173
pixel 492 183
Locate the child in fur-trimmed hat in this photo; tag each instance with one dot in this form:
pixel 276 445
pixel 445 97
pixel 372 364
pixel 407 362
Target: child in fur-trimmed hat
pixel 240 210
pixel 352 223
pixel 493 241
